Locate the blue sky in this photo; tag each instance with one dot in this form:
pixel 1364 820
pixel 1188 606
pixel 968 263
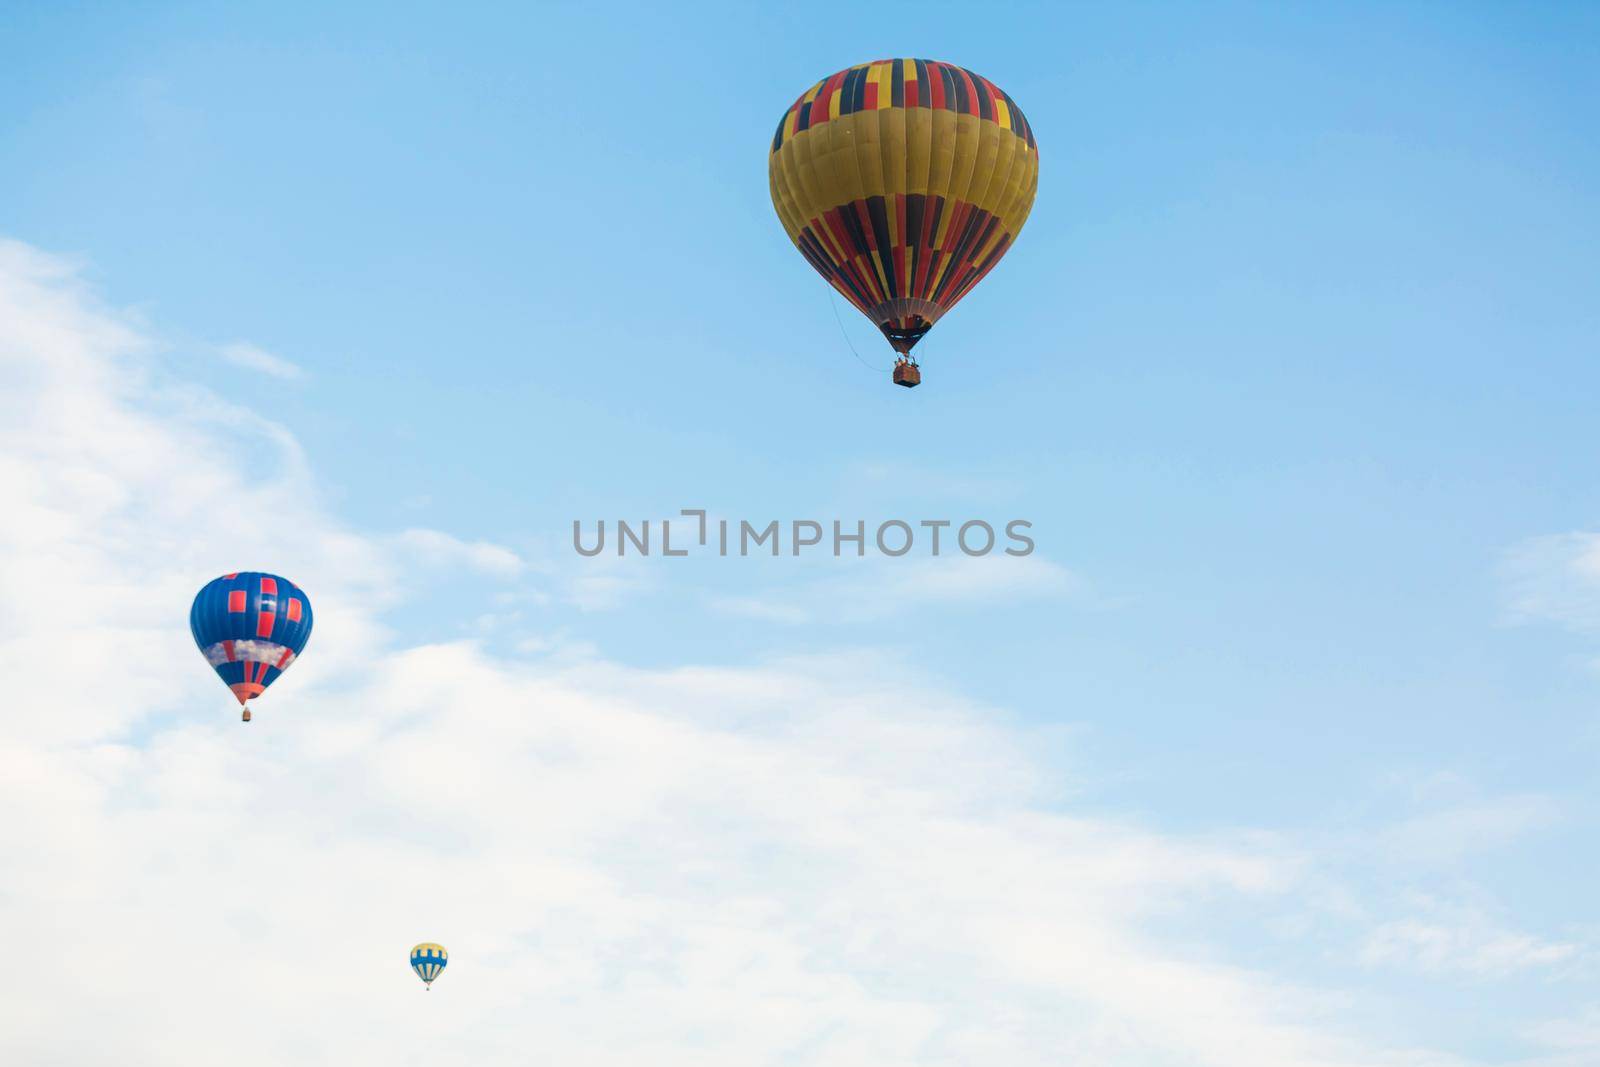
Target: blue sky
pixel 1292 370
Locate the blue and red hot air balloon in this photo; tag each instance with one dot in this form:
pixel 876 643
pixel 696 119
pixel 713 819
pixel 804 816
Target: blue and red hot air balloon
pixel 250 626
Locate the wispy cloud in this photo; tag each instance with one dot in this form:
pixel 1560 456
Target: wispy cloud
pixel 1448 833
pixel 1555 578
pixel 1461 939
pixel 441 549
pixel 881 588
pixel 772 609
pixel 253 357
pixel 819 861
pixel 1570 1042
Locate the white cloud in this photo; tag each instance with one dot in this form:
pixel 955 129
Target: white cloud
pixel 818 861
pixel 253 357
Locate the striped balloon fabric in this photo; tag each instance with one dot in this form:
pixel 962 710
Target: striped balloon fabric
pixel 250 627
pixel 428 959
pixel 903 182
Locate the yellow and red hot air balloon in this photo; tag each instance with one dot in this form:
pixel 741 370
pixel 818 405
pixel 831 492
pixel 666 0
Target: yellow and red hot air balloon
pixel 903 182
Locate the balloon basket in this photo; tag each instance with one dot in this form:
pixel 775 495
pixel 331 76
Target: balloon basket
pixel 246 716
pixel 907 373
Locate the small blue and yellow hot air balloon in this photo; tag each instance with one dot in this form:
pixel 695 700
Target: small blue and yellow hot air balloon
pixel 250 626
pixel 428 959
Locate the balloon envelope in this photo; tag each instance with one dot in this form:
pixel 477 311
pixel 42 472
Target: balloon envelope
pixel 903 182
pixel 250 627
pixel 428 959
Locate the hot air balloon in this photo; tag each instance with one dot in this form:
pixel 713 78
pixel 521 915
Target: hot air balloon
pixel 250 626
pixel 428 959
pixel 903 182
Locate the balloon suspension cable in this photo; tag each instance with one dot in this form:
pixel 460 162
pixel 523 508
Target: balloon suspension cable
pixel 833 302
